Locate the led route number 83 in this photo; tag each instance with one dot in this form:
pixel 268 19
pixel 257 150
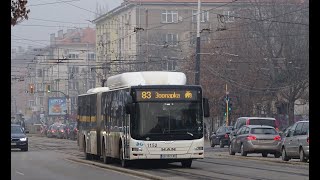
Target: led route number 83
pixel 146 95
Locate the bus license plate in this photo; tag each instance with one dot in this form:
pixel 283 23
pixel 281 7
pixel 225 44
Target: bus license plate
pixel 168 156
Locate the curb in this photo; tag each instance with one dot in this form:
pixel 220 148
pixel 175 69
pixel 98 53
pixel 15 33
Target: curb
pixel 129 171
pixel 266 160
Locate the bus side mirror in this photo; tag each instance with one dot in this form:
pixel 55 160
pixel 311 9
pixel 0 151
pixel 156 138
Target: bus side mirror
pixel 206 110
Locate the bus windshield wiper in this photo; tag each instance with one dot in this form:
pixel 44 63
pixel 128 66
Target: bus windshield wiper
pixel 190 134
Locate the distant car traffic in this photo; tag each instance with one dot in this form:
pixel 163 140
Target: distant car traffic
pixel 295 144
pixel 61 133
pixel 256 139
pixel 72 131
pixel 18 137
pixel 221 136
pixel 56 130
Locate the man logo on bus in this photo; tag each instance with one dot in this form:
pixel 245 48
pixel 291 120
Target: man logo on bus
pixel 188 95
pixel 168 149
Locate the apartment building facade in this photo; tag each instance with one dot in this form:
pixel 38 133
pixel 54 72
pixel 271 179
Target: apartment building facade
pixel 155 34
pixel 65 67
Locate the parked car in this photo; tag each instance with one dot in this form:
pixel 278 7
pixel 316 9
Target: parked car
pixel 221 136
pixel 19 138
pixel 256 139
pixel 241 121
pixel 295 144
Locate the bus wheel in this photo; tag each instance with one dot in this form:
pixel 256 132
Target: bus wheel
pixel 123 162
pixel 186 163
pixel 106 159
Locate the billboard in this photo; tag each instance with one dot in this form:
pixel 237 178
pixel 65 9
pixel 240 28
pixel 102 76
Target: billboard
pixel 57 106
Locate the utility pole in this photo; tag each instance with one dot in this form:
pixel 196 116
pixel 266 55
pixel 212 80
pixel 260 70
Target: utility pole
pixel 88 68
pixel 197 70
pixel 227 103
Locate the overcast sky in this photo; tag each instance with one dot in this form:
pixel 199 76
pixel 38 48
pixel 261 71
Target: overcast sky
pixel 49 16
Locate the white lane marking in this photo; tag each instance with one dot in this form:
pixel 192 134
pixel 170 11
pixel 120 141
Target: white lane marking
pixel 19 173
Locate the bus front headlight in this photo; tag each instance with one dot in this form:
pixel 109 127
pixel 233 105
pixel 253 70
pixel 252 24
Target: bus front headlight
pixel 198 148
pixel 23 139
pixel 136 149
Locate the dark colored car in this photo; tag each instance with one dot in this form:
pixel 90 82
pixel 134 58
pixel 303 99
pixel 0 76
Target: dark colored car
pixel 221 136
pixel 18 137
pixel 256 139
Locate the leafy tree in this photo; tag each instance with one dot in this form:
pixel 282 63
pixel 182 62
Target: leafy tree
pixel 19 12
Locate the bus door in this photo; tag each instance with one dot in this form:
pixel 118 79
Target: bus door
pixel 126 132
pixel 108 137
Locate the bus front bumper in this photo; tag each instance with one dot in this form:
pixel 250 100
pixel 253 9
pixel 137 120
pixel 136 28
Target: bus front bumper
pixel 198 155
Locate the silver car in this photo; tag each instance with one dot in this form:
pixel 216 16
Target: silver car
pixel 256 139
pixel 295 144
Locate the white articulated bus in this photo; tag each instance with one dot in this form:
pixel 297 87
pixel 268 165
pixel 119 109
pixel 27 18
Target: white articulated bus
pixel 149 115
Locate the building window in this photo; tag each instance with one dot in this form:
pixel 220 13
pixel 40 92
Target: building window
pixel 228 16
pixel 169 16
pixel 129 19
pixel 171 39
pixel 91 56
pixel 73 69
pixel 39 87
pixel 129 43
pixel 39 72
pixel 75 85
pixel 31 103
pixel 204 38
pixel 41 101
pixel 73 56
pixel 204 16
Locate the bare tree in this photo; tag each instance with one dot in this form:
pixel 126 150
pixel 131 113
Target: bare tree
pixel 283 30
pixel 263 56
pixel 19 12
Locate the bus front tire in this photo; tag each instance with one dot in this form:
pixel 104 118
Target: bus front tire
pixel 123 162
pixel 186 163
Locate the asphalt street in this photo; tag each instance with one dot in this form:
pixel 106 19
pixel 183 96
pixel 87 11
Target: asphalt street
pixel 50 158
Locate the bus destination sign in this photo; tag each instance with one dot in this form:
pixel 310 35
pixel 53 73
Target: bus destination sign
pixel 156 95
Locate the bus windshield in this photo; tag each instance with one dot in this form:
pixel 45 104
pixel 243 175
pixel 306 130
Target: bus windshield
pixel 167 121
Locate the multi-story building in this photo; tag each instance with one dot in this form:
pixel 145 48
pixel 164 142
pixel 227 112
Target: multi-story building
pixel 155 34
pixel 22 68
pixel 66 67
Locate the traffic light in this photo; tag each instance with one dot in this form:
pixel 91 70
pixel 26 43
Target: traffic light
pixel 31 87
pixel 229 106
pixel 48 88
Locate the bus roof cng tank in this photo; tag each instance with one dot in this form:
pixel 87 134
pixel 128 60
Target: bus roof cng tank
pixel 97 89
pixel 146 78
